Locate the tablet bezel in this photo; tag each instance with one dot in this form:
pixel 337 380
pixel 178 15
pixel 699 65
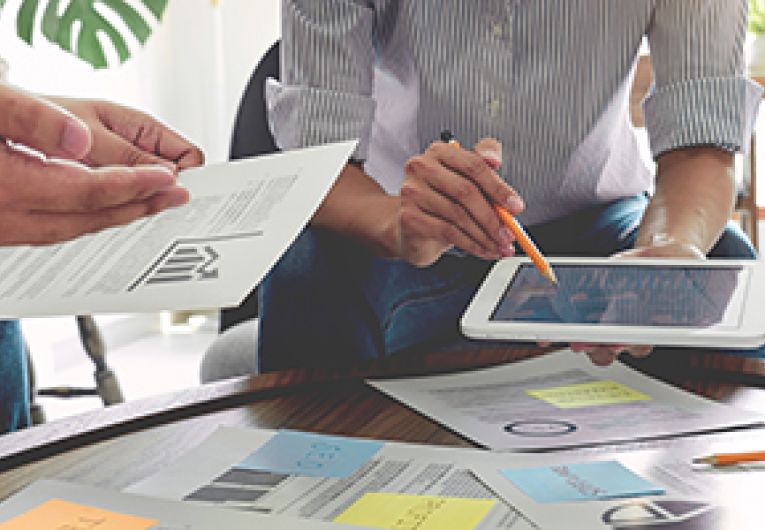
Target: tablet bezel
pixel 476 322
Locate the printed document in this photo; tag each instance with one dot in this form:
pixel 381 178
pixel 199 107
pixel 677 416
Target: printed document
pixel 207 254
pixel 561 400
pixel 55 505
pixel 213 474
pixel 695 497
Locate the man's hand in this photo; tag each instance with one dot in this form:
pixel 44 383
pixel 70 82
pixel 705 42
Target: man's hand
pixel 47 192
pixel 446 201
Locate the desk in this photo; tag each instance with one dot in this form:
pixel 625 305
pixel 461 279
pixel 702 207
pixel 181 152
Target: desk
pixel 115 447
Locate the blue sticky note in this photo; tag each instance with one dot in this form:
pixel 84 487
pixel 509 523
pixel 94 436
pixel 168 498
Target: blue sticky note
pixel 580 482
pixel 313 455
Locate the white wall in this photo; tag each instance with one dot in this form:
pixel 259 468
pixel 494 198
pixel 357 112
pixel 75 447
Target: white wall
pixel 190 74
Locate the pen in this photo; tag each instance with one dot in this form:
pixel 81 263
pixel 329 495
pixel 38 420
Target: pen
pixel 731 459
pixel 523 239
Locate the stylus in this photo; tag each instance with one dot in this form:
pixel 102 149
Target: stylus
pixel 523 239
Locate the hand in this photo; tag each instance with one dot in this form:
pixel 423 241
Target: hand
pixel 446 200
pixel 660 246
pixel 124 136
pixel 46 196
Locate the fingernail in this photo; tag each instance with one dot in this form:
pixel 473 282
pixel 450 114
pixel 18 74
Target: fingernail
pixel 493 158
pixel 75 138
pixel 508 250
pixel 506 236
pixel 515 204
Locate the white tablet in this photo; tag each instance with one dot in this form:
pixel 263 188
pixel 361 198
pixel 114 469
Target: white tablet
pixel 715 303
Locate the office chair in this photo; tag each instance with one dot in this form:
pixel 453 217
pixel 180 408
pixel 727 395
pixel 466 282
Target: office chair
pixel 106 387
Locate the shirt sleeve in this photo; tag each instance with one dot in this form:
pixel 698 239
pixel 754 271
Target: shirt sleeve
pixel 327 70
pixel 701 95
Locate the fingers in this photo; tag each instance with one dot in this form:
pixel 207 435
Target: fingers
pixel 491 151
pixel 605 354
pixel 150 137
pixel 41 125
pixel 36 184
pixel 40 228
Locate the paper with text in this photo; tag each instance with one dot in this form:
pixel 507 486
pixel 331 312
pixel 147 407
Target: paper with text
pixel 209 475
pixel 207 254
pixel 501 407
pixel 56 505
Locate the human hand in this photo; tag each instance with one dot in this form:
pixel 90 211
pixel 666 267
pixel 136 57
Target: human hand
pixel 125 136
pixel 47 196
pixel 660 246
pixel 446 200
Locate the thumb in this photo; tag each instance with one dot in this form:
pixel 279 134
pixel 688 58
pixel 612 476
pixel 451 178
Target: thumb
pixel 491 151
pixel 41 125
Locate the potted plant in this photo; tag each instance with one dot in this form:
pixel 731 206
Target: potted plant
pixel 757 28
pixel 58 25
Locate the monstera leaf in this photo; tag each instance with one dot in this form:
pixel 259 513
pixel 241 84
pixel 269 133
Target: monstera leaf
pixel 62 18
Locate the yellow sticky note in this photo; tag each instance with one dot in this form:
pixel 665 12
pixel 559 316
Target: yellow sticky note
pixel 393 511
pixel 62 515
pixel 588 395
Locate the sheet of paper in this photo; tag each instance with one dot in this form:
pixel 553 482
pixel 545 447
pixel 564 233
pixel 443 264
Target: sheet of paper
pixel 502 408
pixel 392 511
pixel 55 505
pixel 695 497
pixel 57 514
pixel 209 253
pixel 311 455
pixel 209 475
pixel 586 481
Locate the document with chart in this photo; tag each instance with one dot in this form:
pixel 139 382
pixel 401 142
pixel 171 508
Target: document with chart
pixel 55 505
pixel 207 254
pixel 335 479
pixel 561 400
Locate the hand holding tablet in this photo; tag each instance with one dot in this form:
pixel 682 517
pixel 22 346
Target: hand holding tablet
pixel 685 302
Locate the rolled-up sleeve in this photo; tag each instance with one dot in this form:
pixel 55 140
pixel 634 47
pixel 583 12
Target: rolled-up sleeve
pixel 701 96
pixel 327 65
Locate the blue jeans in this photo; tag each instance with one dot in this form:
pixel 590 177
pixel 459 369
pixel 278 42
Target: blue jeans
pixel 329 301
pixel 14 383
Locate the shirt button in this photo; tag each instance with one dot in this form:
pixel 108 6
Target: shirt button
pixel 494 106
pixel 497 30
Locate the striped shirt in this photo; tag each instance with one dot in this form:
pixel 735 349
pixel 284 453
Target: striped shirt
pixel 548 78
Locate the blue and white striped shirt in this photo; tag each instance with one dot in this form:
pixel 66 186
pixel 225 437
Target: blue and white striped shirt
pixel 549 78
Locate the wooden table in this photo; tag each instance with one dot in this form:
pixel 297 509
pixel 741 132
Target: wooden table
pixel 117 446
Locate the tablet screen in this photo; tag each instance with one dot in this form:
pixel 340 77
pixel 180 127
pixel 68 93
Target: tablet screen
pixel 696 297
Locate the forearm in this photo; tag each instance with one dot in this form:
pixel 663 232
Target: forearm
pixel 358 207
pixel 694 199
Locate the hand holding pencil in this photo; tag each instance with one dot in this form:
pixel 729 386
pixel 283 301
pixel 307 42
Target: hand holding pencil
pixel 447 200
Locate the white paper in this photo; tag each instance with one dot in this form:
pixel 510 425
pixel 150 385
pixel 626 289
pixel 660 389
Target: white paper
pixel 696 498
pixel 172 515
pixel 492 408
pixel 397 468
pixel 207 254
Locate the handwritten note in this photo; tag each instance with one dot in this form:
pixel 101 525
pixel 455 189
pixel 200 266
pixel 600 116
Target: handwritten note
pixel 580 482
pixel 392 511
pixel 588 395
pixel 313 455
pixel 63 515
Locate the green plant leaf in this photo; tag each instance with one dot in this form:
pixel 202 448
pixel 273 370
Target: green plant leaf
pixel 60 19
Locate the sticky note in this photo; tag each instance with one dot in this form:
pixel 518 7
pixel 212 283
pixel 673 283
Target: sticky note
pixel 313 455
pixel 416 512
pixel 588 395
pixel 580 482
pixel 56 514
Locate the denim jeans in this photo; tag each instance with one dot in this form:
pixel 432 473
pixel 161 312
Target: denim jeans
pixel 14 384
pixel 329 301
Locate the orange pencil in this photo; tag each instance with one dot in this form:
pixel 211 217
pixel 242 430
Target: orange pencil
pixel 523 239
pixel 731 459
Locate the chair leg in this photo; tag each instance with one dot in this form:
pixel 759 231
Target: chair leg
pixel 36 412
pixel 107 384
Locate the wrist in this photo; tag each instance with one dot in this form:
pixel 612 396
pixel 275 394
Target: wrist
pixel 669 245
